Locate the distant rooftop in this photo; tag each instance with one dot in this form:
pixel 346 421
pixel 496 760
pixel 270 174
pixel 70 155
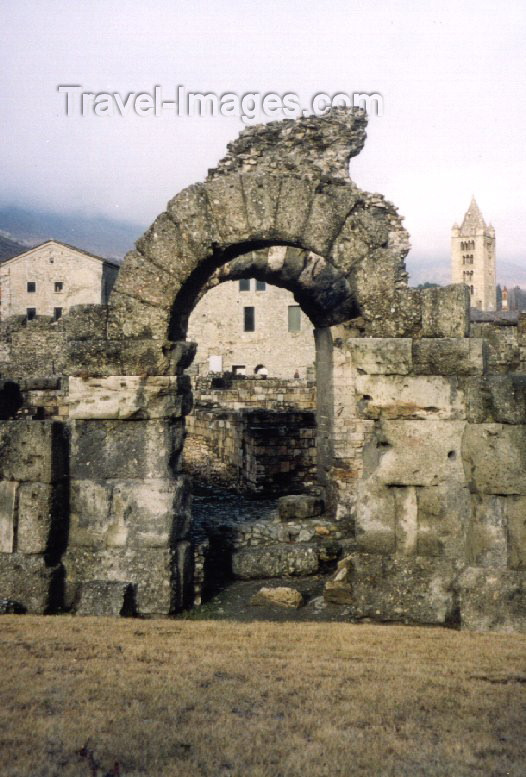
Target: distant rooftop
pixel 66 245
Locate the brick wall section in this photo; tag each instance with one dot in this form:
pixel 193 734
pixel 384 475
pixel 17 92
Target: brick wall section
pixel 261 452
pixel 269 393
pixel 256 435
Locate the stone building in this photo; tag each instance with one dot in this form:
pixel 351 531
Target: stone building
pixel 49 279
pixel 252 327
pixel 420 416
pixel 473 258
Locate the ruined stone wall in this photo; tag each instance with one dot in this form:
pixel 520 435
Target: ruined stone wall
pixel 428 458
pixel 421 427
pixel 32 348
pixel 95 507
pixel 506 343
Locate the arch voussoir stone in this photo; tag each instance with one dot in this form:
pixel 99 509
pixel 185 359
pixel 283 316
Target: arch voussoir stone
pixel 227 204
pixel 190 210
pixel 294 205
pixel 164 244
pixel 330 207
pixel 261 192
pixel 129 317
pixel 146 281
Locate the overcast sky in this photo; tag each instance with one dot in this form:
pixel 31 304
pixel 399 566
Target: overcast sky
pixel 451 74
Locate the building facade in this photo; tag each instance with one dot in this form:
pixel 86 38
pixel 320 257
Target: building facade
pixel 49 279
pixel 473 258
pixel 250 327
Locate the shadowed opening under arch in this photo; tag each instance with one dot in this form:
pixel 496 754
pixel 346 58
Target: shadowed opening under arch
pixel 322 291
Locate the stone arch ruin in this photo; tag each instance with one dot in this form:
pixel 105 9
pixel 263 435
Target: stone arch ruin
pixel 421 421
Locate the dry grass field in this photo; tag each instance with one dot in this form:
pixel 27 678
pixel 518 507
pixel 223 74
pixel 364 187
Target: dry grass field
pixel 177 698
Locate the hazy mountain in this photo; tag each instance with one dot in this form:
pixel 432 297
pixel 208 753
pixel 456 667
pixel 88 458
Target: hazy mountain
pixel 9 248
pixel 112 238
pixel 509 273
pixel 428 269
pixel 97 234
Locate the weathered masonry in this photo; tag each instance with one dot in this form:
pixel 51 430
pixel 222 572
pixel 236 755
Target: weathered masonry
pixel 252 436
pixel 421 427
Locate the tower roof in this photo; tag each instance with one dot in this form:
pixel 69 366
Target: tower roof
pixel 473 218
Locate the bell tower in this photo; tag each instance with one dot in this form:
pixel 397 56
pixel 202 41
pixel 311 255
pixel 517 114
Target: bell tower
pixel 473 258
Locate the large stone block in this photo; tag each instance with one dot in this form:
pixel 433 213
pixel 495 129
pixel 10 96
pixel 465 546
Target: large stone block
pixel 444 513
pixel 121 397
pixel 416 453
pixel 381 355
pixel 486 539
pixel 281 596
pixel 330 207
pixel 375 517
pixel 103 358
pixel 102 450
pixel 409 397
pixel 408 590
pixel 32 450
pixel 495 458
pixel 449 356
pixel 27 580
pixel 129 513
pixel 103 597
pixel 497 399
pixel 356 238
pixel 516 523
pixel 492 600
pixel 37 512
pixel 168 247
pixel 8 495
pixel 300 506
pixel 445 311
pixel 275 561
pixel 152 570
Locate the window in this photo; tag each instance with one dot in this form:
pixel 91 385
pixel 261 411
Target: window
pixel 244 284
pixel 31 287
pixel 261 286
pixel 59 286
pixel 249 319
pixel 238 369
pixel 294 318
pixel 57 313
pixel 31 313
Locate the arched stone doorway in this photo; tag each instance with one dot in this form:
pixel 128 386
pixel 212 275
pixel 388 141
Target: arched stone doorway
pixel 422 428
pixel 339 250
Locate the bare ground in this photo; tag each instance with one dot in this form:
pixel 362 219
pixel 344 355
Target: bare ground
pixel 223 699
